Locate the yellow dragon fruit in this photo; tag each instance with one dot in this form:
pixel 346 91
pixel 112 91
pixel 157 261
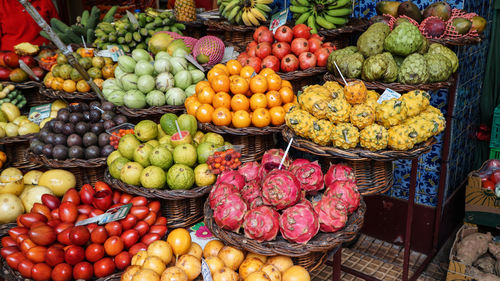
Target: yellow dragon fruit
pixel 374 137
pixel 345 136
pixel 415 102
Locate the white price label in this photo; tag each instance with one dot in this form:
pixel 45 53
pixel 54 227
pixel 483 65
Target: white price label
pixel 278 20
pixel 388 95
pixel 132 18
pixel 194 62
pixel 205 271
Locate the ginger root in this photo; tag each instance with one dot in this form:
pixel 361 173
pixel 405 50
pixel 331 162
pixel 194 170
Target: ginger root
pixel 486 264
pixel 472 247
pixel 495 251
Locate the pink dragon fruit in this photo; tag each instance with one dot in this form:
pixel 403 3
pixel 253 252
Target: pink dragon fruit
pixel 338 172
pixel 346 191
pixel 250 191
pixel 299 223
pixel 261 224
pixel 272 158
pixel 250 170
pixel 189 41
pixel 209 50
pixel 230 211
pixel 332 214
pixel 310 177
pixel 231 177
pixel 281 189
pixel 297 163
pixel 219 191
pixel 258 201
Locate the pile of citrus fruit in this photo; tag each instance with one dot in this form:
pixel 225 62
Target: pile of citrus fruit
pixel 236 95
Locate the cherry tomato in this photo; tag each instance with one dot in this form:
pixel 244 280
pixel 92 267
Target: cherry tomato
pixel 154 206
pixel 94 252
pixel 79 235
pixel 50 201
pixel 41 272
pixel 54 223
pixel 150 238
pixel 36 254
pixel 116 196
pixel 25 268
pixel 54 256
pixel 114 228
pixel 62 272
pixel 142 227
pixel 137 247
pixel 87 194
pixel 91 227
pixel 99 186
pixel 41 209
pixel 128 222
pixel 140 212
pixel 26 245
pixel 130 237
pixel 21 238
pixel 29 219
pixel 96 212
pixel 14 259
pixel 63 237
pixel 16 231
pixel 84 209
pixel 6 251
pixel 139 201
pixel 68 212
pixel 125 198
pixel 63 226
pixel 74 254
pixel 81 217
pixel 99 235
pixel 103 200
pixel 8 241
pixel 489 185
pixel 161 221
pixel 42 235
pixel 150 218
pixel 71 195
pixel 55 213
pixel 83 270
pixel 113 245
pixel 122 260
pixel 104 267
pixel 158 229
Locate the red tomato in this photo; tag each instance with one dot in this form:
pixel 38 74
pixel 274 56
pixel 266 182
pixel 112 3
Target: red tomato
pixel 14 259
pixel 68 212
pixel 489 185
pixel 54 256
pixel 41 272
pixel 142 227
pixel 158 229
pixel 161 221
pixel 91 227
pixel 29 219
pixel 150 218
pixel 87 194
pixel 74 254
pixel 139 201
pixel 99 235
pixel 79 235
pixel 140 212
pixel 16 231
pixel 8 241
pixel 495 176
pixel 6 251
pixel 62 227
pixel 96 212
pixel 113 246
pixel 25 268
pixel 130 237
pixel 42 235
pixel 122 260
pixel 125 198
pixel 137 247
pixel 128 222
pixel 116 196
pixel 116 205
pixel 71 195
pixel 37 254
pixel 26 245
pixel 154 206
pixel 150 238
pixel 54 222
pixel 83 270
pixel 84 209
pixel 103 200
pixel 94 252
pixel 99 186
pixel 62 272
pixel 50 201
pixel 114 228
pixel 55 213
pixel 104 267
pixel 41 209
pixel 21 238
pixel 81 217
pixel 63 237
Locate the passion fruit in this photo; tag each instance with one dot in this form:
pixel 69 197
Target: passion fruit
pixel 212 248
pixel 214 263
pixel 162 250
pixel 249 266
pixel 180 241
pixel 282 263
pixel 231 257
pixel 296 273
pixel 195 250
pixel 174 273
pixel 191 265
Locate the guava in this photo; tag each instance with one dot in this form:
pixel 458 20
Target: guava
pixel 153 177
pixel 153 143
pixel 203 176
pixel 146 130
pixel 185 154
pixel 188 123
pixel 204 150
pixel 116 166
pixel 161 157
pixel 180 176
pixel 127 145
pixel 141 154
pixel 131 173
pixel 214 138
pixel 111 157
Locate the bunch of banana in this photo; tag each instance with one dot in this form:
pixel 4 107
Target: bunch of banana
pixel 247 12
pixel 327 14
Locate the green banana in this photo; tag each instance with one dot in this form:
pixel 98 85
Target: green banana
pixel 84 19
pixel 324 23
pixel 340 12
pixel 340 3
pixel 264 8
pixel 299 9
pixel 311 22
pixel 233 13
pixel 303 18
pixel 230 6
pixel 304 3
pixel 180 26
pixel 335 20
pixel 110 14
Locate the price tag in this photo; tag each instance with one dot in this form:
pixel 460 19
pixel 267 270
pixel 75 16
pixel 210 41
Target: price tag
pixel 278 20
pixel 28 70
pixel 113 214
pixel 388 95
pixel 115 52
pixel 205 271
pixel 132 18
pixel 39 113
pixel 194 62
pixel 228 54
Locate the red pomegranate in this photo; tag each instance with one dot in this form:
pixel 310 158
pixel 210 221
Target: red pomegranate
pixel 254 62
pixel 258 31
pixel 11 60
pixel 314 44
pixel 251 51
pixel 289 63
pixel 263 50
pixel 301 31
pixel 265 36
pixel 281 49
pixel 2 63
pixel 4 73
pixel 271 62
pixel 28 60
pixel 242 58
pixel 322 56
pixel 283 34
pixel 299 46
pixel 307 60
pixel 251 44
pixel 38 72
pixel 315 35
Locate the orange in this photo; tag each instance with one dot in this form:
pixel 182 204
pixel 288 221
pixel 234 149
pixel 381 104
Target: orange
pixel 247 71
pixel 190 100
pixel 221 116
pixel 288 106
pixel 239 102
pixel 273 99
pixel 286 95
pixel 239 85
pixel 234 67
pixel 223 68
pixel 57 83
pixel 273 82
pixel 216 71
pixel 82 86
pixel 48 81
pixel 266 71
pixel 286 83
pixel 200 85
pixel 258 101
pixel 204 113
pixel 3 157
pixel 241 119
pixel 258 84
pixel 261 117
pixel 69 86
pixel 220 83
pixel 192 107
pixel 222 99
pixel 206 95
pixel 277 115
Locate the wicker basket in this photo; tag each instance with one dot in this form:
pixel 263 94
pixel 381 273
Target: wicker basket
pixel 54 95
pixel 195 29
pixel 301 78
pixel 15 148
pixel 182 208
pixel 150 112
pixel 69 163
pixel 463 41
pixel 24 85
pixel 227 32
pixel 354 25
pixel 34 97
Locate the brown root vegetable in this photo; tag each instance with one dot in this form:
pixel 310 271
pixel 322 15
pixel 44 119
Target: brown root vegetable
pixel 486 264
pixel 488 277
pixel 495 251
pixel 472 247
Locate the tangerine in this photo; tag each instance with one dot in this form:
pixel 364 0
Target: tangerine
pixel 273 99
pixel 190 99
pixel 69 86
pixel 192 107
pixel 216 71
pixel 288 106
pixel 206 95
pixel 277 115
pixel 258 84
pixel 239 85
pixel 204 113
pixel 223 68
pixel 241 119
pixel 273 82
pixel 57 84
pixel 222 99
pixel 286 83
pixel 247 71
pixel 286 94
pixel 200 85
pixel 220 83
pixel 266 71
pixel 82 86
pixel 234 67
pixel 239 102
pixel 261 117
pixel 221 116
pixel 258 101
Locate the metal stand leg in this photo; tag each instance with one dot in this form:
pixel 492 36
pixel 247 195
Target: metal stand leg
pixel 337 261
pixel 409 218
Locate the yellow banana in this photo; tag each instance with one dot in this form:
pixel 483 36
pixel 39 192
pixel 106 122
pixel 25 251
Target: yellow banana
pixel 245 19
pixel 257 13
pixel 253 19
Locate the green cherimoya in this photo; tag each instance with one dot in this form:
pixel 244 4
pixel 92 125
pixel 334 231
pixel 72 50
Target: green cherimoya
pixel 413 70
pixel 403 40
pixel 335 55
pixel 436 48
pixel 374 68
pixel 371 42
pixel 391 73
pixel 438 66
pixel 351 65
pixel 424 48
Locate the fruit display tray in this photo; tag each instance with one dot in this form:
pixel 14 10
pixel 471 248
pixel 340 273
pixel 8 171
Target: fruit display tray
pixel 209 127
pixel 150 111
pixel 50 93
pixel 69 163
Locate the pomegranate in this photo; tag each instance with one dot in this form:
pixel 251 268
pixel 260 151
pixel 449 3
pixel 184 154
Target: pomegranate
pixel 299 223
pixel 219 191
pixel 322 56
pixel 249 171
pixel 38 72
pixel 299 46
pixel 242 58
pixel 263 50
pixel 281 49
pixel 315 35
pixel 301 31
pixel 289 63
pixel 229 212
pixel 251 191
pixel 251 51
pixel 271 62
pixel 4 73
pixel 254 62
pixel 314 44
pixel 11 59
pixel 272 158
pixel 231 177
pixel 307 60
pixel 250 45
pixel 258 30
pixel 261 224
pixel 297 163
pixel 346 191
pixel 28 60
pixel 310 177
pixel 283 34
pixel 332 214
pixel 265 36
pixel 281 189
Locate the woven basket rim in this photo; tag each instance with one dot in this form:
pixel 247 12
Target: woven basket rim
pixel 240 131
pixel 320 243
pixel 222 24
pixel 356 153
pixel 353 25
pixel 68 96
pixel 299 74
pixel 462 41
pixel 17 139
pixel 68 163
pixel 167 194
pixel 154 110
pixel 24 85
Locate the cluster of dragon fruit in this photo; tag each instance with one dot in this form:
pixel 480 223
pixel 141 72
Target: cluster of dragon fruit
pixel 265 200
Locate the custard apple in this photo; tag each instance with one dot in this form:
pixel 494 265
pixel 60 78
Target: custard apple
pixel 351 65
pixel 413 70
pixel 371 42
pixel 424 48
pixel 335 55
pixel 374 68
pixel 399 60
pixel 391 73
pixel 438 66
pixel 405 39
pixel 436 48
